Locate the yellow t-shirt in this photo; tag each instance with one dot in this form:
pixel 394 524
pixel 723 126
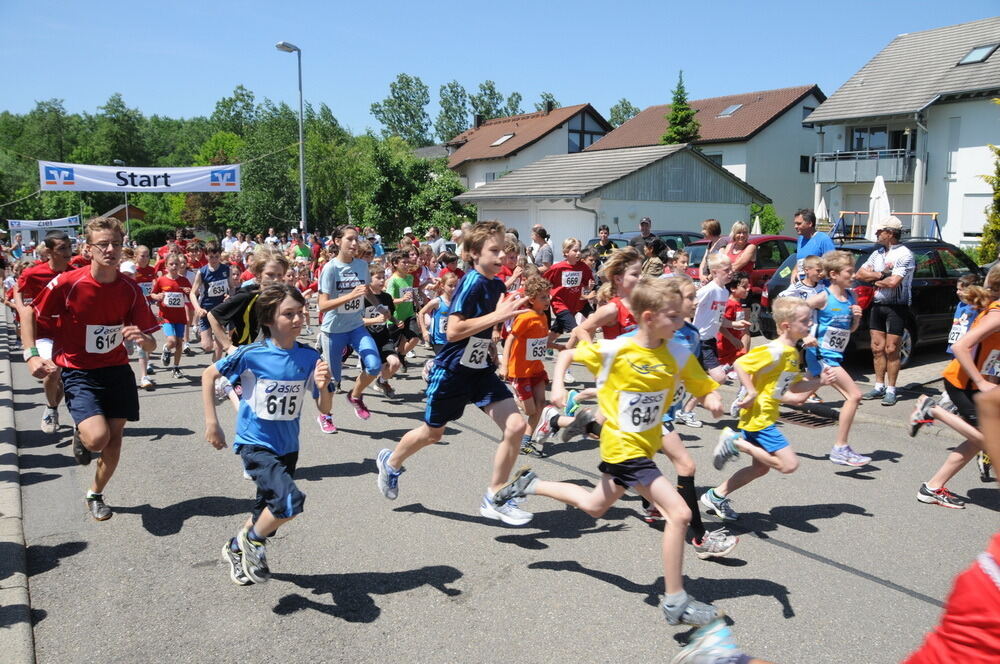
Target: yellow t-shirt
pixel 634 384
pixel 774 367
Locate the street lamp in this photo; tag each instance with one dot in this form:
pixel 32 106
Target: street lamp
pixel 119 162
pixel 292 48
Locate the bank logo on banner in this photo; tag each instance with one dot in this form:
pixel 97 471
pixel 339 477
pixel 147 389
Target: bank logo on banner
pixel 61 175
pixel 223 177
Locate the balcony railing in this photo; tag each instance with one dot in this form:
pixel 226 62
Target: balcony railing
pixel 864 166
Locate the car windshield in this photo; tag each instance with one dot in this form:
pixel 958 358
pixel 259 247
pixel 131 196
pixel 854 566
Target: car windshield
pixel 695 253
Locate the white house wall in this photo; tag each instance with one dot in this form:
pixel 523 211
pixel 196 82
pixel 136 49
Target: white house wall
pixel 734 157
pixel 555 142
pixel 674 216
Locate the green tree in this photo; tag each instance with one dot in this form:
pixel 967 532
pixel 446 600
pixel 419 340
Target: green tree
pixel 682 125
pixel 208 210
pixel 770 222
pixel 236 113
pixel 453 118
pixel 403 112
pixel 488 102
pixel 622 112
pixel 514 104
pixel 547 97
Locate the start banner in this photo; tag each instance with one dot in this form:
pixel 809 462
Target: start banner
pixel 40 224
pixel 56 176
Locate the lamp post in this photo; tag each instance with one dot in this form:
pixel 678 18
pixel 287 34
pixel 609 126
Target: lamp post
pixel 292 48
pixel 128 234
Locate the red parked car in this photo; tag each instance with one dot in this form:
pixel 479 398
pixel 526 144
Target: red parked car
pixel 772 250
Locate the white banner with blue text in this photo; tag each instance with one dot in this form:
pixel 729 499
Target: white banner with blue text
pixel 56 176
pixel 42 224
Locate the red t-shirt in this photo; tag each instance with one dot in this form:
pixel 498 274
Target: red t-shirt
pixel 144 276
pixel 30 284
pixel 567 284
pixel 504 274
pixel 173 305
pixel 165 249
pixel 195 263
pixel 237 266
pixel 91 316
pixel 246 276
pixel 727 351
pixel 624 321
pixel 78 261
pixel 461 273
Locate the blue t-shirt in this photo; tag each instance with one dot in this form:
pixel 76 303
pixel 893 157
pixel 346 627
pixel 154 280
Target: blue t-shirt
pixel 215 285
pixel 439 323
pixel 833 327
pixel 275 384
pixel 962 320
pixel 817 245
pixel 475 296
pixel 339 279
pixel 688 337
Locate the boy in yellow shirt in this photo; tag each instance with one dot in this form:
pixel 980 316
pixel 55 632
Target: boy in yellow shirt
pixel 636 376
pixel 771 374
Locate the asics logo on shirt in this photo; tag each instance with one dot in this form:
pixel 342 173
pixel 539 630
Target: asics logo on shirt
pixel 645 399
pixel 282 389
pixel 646 369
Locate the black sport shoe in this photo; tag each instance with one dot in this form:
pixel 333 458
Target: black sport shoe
pixel 176 373
pixel 518 487
pixel 984 465
pixel 98 509
pixel 254 558
pixel 165 357
pixel 235 560
pixel 82 455
pixel 941 497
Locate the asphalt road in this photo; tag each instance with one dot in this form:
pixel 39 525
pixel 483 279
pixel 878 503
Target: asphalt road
pixel 834 564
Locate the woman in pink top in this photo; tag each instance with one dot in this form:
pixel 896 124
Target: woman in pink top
pixel 741 253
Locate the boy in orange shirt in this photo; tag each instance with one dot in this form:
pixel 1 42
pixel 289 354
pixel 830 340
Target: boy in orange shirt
pixel 524 354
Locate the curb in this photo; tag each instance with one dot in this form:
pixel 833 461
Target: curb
pixel 16 635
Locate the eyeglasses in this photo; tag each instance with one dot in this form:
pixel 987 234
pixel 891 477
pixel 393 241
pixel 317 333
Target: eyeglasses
pixel 104 246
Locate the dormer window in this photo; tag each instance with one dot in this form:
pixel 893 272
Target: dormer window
pixel 503 139
pixel 978 54
pixel 729 110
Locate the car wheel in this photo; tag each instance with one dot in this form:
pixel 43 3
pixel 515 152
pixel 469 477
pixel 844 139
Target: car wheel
pixel 906 345
pixel 755 318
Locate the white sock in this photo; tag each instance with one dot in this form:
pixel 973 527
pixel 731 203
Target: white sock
pixel 879 386
pixel 890 389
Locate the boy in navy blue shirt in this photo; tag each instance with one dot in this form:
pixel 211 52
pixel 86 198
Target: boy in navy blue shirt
pixel 464 372
pixel 277 373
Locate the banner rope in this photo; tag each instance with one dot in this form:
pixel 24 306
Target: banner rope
pixel 38 191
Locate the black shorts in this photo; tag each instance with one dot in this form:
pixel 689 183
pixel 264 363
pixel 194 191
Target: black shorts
pixel 632 472
pixel 564 321
pixel 889 318
pixel 108 391
pixel 448 393
pixel 964 401
pixel 410 329
pixel 272 474
pixel 708 355
pixel 387 349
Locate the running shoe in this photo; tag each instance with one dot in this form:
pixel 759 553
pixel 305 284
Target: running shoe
pixel 578 427
pixel 734 407
pixel 187 350
pixel 359 406
pixel 507 512
pixel 254 557
pixel 543 431
pixel 387 389
pixel 651 514
pixel 568 378
pixel 720 507
pixel 146 383
pixel 426 373
pixel 984 465
pixel 235 560
pixel 165 357
pixel 715 544
pixel 518 486
pixel 813 399
pixel 80 453
pixel 711 644
pixel 571 405
pixel 150 369
pixel 388 479
pixel 403 365
pixel 726 448
pixel 921 415
pixel 889 398
pixel 50 420
pixel 845 456
pixel 692 612
pixel 221 388
pixel 689 419
pixel 98 510
pixel 176 373
pixel 326 424
pixel 941 497
pixel 874 393
pixel 530 448
pixel 411 355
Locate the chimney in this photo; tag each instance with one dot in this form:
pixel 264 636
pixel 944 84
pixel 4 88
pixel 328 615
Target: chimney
pixel 478 120
pixel 549 106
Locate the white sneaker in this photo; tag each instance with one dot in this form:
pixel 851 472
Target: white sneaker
pixel 568 378
pixel 145 383
pixel 509 512
pixel 411 355
pixel 50 420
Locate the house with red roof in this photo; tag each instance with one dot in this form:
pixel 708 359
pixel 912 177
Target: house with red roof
pixel 493 148
pixel 757 136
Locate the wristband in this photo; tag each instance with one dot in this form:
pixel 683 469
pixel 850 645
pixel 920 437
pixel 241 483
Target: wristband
pixel 30 353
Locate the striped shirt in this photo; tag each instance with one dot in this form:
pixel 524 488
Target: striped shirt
pixel 900 262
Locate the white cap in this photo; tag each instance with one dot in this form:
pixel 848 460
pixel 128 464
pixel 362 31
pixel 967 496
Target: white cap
pixel 408 230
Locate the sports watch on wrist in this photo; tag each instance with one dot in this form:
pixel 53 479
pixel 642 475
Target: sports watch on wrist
pixel 30 353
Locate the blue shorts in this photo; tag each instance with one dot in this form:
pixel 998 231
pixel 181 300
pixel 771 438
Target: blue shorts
pixel 108 391
pixel 272 474
pixel 332 348
pixel 564 321
pixel 448 393
pixel 203 324
pixel 174 330
pixel 815 362
pixel 770 439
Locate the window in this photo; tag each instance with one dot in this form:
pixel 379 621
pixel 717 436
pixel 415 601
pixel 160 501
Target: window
pixel 925 261
pixel 715 158
pixel 768 256
pixel 805 164
pixel 860 139
pixel 729 110
pixel 954 265
pixel 490 177
pixel 584 131
pixel 978 54
pixel 806 110
pixel 503 139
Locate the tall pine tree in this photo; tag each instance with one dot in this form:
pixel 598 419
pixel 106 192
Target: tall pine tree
pixel 682 126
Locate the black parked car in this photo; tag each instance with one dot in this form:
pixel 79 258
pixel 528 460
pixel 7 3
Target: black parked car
pixel 939 266
pixel 673 239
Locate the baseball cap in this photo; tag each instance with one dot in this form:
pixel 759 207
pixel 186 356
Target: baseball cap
pixel 408 231
pixel 891 223
pixel 645 220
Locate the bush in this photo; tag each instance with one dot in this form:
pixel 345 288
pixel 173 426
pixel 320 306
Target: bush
pixel 153 235
pixel 770 222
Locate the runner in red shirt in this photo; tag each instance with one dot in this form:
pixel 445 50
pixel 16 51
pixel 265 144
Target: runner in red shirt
pixel 81 259
pixel 97 309
pixel 145 275
pixel 172 291
pixel 568 279
pixel 31 282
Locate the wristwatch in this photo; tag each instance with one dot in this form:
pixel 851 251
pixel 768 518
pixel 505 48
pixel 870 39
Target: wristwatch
pixel 30 353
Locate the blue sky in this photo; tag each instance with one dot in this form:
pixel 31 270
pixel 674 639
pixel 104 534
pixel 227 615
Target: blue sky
pixel 178 58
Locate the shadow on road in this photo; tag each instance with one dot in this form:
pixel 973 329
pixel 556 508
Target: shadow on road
pixel 163 521
pixel 156 433
pixel 566 524
pixel 796 517
pixel 43 558
pixel 352 593
pixel 348 469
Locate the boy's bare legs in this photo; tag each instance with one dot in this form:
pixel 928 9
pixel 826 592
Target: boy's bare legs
pixel 946 417
pixel 784 461
pixel 414 441
pixel 99 434
pixel 955 461
pixel 852 399
pixel 594 502
pixel 267 524
pixel 662 493
pixel 509 419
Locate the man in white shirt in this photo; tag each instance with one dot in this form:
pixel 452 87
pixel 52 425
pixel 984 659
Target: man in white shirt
pixel 229 240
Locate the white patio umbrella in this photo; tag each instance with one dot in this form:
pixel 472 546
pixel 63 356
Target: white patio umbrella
pixel 878 207
pixel 756 226
pixel 821 212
